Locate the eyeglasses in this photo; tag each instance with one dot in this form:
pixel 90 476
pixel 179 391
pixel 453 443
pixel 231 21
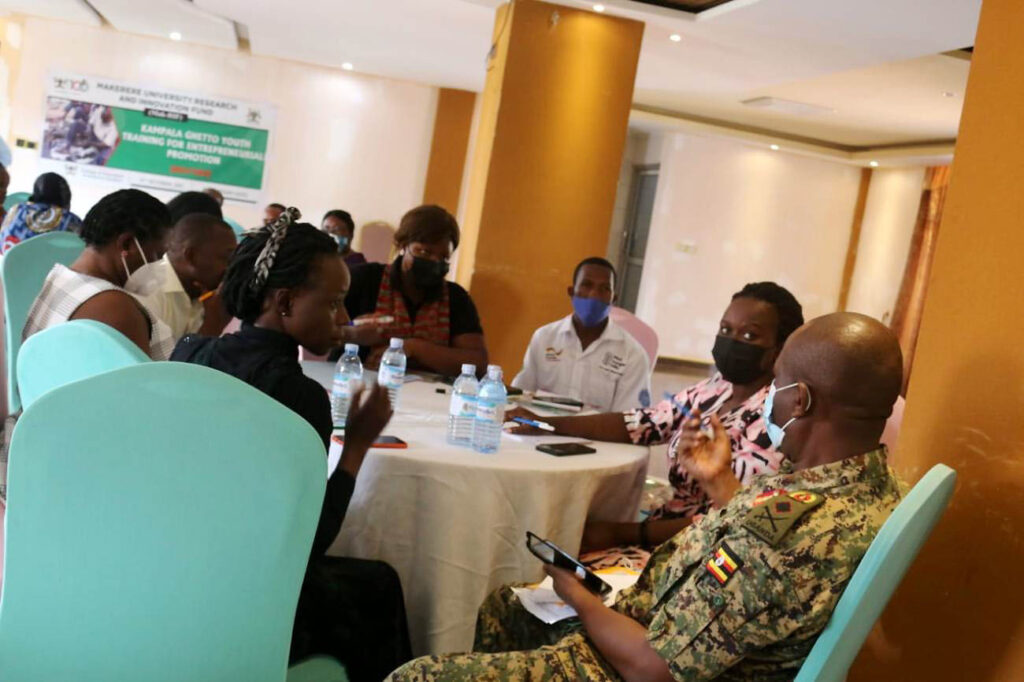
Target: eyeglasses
pixel 420 252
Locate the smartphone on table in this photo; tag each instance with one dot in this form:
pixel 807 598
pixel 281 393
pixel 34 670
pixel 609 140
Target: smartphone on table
pixel 565 449
pixel 550 553
pixel 391 442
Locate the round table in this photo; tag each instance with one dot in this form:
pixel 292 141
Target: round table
pixel 452 522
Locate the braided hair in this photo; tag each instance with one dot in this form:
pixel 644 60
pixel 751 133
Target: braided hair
pixel 291 248
pixel 126 210
pixel 789 310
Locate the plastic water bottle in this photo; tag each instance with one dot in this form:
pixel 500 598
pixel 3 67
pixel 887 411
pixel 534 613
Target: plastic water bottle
pixel 391 373
pixel 490 411
pixel 462 411
pixel 348 373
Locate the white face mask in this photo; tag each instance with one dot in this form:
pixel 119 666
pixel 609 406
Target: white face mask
pixel 124 262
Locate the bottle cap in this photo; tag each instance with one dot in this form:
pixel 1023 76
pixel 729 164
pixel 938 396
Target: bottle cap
pixel 491 368
pixel 494 372
pixel 352 348
pixel 396 342
pixel 469 369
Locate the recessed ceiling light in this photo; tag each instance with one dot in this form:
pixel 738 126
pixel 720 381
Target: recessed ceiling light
pixel 675 37
pixel 775 147
pixel 175 35
pixel 598 8
pixel 873 164
pixel 347 66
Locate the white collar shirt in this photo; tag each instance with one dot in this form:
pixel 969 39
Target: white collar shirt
pixel 612 375
pixel 158 287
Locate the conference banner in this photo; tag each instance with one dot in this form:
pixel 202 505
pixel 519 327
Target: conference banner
pixel 135 135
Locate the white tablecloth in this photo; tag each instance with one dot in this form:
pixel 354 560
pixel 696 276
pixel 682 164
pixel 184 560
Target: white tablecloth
pixel 453 522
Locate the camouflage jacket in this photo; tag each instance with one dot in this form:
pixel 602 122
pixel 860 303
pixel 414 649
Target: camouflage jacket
pixel 744 593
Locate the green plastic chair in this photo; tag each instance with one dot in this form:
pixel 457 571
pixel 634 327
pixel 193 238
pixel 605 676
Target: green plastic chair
pixel 23 270
pixel 235 226
pixel 15 198
pixel 71 351
pixel 877 576
pixel 158 525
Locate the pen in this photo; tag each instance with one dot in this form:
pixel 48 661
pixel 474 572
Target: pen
pixel 544 426
pixel 379 319
pixel 705 426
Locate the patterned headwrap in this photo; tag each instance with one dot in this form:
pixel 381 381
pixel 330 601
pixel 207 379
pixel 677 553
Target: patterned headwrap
pixel 265 261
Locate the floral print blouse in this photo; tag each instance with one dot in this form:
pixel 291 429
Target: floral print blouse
pixel 752 452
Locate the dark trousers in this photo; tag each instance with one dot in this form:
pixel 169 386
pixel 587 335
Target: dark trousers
pixel 353 610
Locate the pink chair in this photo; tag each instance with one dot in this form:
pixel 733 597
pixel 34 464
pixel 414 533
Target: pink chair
pixel 375 241
pixel 892 427
pixel 639 330
pixel 306 355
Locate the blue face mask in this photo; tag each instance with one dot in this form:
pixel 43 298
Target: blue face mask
pixel 342 240
pixel 775 432
pixel 590 311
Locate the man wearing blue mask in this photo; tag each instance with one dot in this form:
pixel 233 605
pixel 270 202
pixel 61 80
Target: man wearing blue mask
pixel 339 224
pixel 585 355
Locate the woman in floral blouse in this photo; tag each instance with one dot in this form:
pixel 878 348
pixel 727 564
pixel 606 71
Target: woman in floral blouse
pixel 753 329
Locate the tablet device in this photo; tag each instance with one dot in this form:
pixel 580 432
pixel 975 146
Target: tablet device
pixel 550 553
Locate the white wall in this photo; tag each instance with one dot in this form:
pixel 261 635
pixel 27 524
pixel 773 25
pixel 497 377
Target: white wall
pixel 894 198
pixel 728 213
pixel 341 140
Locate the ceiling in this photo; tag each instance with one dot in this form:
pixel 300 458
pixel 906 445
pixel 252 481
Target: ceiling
pixel 874 66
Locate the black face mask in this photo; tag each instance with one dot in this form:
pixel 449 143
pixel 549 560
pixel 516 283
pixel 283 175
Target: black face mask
pixel 738 361
pixel 428 274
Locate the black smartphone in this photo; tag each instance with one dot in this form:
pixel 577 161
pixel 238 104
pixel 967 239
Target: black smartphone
pixel 566 449
pixel 391 442
pixel 550 553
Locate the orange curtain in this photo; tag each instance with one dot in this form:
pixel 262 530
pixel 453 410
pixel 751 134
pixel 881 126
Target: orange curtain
pixel 906 318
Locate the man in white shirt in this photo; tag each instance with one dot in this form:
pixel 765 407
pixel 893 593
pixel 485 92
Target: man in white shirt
pixel 585 355
pixel 176 287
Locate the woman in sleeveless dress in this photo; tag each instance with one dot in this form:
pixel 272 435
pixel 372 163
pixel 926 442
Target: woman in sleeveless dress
pixel 122 232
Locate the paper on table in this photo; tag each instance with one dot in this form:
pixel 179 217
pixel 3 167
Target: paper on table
pixel 542 440
pixel 544 603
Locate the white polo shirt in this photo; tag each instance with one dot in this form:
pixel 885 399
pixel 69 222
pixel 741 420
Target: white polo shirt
pixel 158 287
pixel 612 375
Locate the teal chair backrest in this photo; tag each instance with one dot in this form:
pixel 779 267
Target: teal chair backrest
pixel 235 226
pixel 23 270
pixel 15 198
pixel 159 520
pixel 71 351
pixel 877 576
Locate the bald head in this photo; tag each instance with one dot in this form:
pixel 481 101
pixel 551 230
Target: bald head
pixel 195 229
pixel 851 362
pixel 199 247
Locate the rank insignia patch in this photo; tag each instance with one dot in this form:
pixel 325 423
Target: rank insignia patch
pixel 771 519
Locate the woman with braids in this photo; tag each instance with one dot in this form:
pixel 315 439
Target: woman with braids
pixel 122 232
pixel 759 319
pixel 411 299
pixel 286 282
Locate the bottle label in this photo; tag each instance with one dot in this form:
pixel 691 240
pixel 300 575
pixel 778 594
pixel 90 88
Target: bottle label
pixel 462 406
pixel 388 378
pixel 490 412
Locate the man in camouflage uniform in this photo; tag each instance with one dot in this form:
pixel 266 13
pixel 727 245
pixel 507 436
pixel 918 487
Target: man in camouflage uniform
pixel 744 593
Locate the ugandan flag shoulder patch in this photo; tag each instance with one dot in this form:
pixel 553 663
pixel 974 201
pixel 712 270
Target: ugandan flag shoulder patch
pixel 723 564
